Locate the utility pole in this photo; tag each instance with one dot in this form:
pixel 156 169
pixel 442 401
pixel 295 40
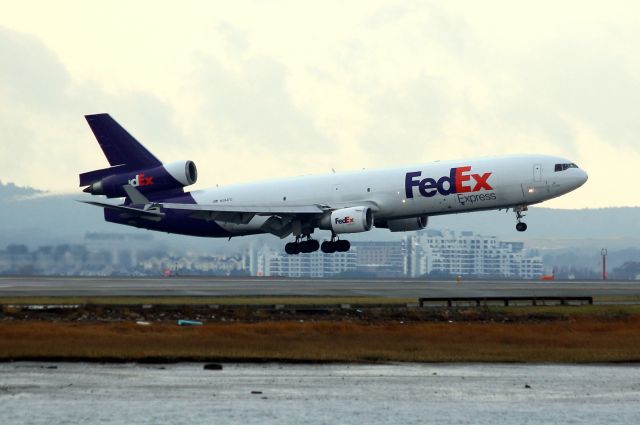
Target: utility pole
pixel 603 252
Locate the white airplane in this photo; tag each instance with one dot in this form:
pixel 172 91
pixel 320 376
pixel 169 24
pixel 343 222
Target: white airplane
pixel 399 199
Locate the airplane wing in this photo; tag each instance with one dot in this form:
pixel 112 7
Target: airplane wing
pixel 243 214
pixel 279 222
pixel 255 209
pixel 280 219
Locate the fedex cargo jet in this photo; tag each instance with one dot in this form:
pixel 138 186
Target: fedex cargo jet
pixel 399 199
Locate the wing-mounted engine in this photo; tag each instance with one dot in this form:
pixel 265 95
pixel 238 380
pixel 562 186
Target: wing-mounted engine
pixel 405 224
pixel 348 220
pixel 110 181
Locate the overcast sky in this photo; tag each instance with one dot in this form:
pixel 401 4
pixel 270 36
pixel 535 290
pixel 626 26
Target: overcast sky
pixel 256 90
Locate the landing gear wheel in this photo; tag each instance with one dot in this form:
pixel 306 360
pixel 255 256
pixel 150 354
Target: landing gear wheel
pixel 335 244
pixel 328 247
pixel 292 248
pixel 342 245
pixel 307 246
pixel 314 245
pixel 304 247
pixel 520 213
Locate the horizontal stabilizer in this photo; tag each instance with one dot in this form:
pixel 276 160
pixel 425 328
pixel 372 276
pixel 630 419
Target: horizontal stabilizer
pixel 91 177
pixel 136 212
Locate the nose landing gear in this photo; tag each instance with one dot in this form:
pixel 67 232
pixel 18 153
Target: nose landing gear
pixel 521 227
pixel 520 213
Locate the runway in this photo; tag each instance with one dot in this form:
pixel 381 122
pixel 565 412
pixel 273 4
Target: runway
pixel 254 286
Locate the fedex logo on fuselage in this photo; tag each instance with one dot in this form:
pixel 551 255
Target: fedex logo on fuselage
pixel 459 180
pixel 141 180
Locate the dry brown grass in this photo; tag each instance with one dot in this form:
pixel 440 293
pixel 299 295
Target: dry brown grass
pixel 579 340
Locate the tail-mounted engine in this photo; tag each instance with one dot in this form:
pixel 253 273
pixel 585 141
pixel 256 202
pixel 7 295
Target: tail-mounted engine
pixel 348 220
pixel 109 181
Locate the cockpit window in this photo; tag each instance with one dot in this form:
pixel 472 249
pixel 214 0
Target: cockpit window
pixel 562 167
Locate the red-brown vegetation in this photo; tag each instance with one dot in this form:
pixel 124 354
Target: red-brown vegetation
pixel 580 339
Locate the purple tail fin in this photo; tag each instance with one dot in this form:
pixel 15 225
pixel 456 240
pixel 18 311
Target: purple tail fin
pixel 118 145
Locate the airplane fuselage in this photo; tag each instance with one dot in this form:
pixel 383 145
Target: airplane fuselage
pixel 399 199
pixel 443 187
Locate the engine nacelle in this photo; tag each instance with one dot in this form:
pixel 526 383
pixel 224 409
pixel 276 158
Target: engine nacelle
pixel 407 224
pixel 348 220
pixel 175 175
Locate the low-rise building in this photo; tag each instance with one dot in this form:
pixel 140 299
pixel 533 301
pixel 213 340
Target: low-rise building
pixel 380 258
pixel 434 252
pixel 316 264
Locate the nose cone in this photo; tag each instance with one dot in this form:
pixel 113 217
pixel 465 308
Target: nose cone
pixel 576 179
pixel 582 178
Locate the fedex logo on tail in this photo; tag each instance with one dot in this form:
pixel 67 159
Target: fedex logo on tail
pixel 141 180
pixel 459 180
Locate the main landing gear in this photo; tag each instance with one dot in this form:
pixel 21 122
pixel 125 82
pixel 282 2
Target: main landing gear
pixel 339 245
pixel 304 246
pixel 520 213
pixel 309 245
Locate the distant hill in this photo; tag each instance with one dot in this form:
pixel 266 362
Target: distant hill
pixel 9 191
pixel 559 227
pixel 34 217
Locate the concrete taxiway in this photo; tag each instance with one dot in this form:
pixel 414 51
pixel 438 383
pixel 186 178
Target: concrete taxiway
pixel 246 287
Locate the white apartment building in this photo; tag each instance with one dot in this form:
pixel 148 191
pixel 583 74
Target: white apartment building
pixel 427 252
pixel 466 254
pixel 316 264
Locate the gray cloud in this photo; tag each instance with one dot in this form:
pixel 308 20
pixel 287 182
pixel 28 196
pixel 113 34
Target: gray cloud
pixel 38 99
pixel 235 38
pixel 405 121
pixel 590 83
pixel 15 149
pixel 581 77
pixel 528 114
pixel 254 105
pixel 568 82
pixel 30 74
pixel 141 113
